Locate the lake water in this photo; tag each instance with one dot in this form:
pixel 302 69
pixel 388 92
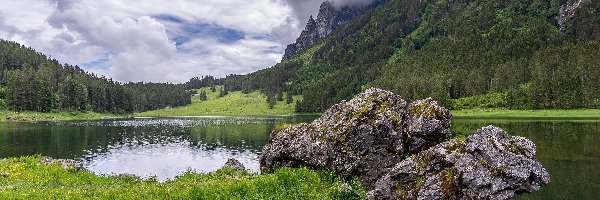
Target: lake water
pixel 167 147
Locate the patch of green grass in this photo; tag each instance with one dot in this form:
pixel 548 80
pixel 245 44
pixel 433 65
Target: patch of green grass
pixel 489 100
pixel 7 115
pixel 233 104
pixel 29 179
pixel 501 113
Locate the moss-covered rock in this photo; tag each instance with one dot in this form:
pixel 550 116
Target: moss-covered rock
pixel 484 166
pixel 361 137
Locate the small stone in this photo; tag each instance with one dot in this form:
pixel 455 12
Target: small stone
pixel 235 164
pixel 64 163
pixel 4 174
pixel 127 175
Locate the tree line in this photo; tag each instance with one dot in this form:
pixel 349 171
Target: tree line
pixel 29 81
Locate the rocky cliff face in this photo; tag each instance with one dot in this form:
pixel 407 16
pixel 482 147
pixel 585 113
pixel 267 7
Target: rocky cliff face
pixel 568 10
pixel 402 151
pixel 327 21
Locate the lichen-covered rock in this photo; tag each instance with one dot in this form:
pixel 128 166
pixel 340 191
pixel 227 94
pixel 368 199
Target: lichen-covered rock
pixel 64 163
pixel 489 164
pixel 234 164
pixel 363 137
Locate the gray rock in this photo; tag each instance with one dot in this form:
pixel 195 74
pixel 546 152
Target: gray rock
pixel 328 20
pixel 567 11
pixel 127 176
pixel 401 151
pixel 363 137
pixel 488 165
pixel 234 164
pixel 64 163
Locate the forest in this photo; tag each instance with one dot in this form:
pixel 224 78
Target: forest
pixel 30 81
pixel 515 50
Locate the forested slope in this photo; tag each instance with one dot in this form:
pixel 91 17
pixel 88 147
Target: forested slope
pixel 449 50
pixel 30 81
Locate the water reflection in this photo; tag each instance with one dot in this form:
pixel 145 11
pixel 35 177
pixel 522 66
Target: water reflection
pixel 167 161
pixel 161 147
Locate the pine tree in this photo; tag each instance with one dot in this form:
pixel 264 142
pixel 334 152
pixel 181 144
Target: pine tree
pixel 73 95
pixel 225 90
pixel 45 100
pixel 271 101
pixel 289 98
pixel 23 90
pixel 203 96
pixel 221 92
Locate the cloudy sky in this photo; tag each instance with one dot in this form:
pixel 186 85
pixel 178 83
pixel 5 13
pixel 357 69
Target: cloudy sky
pixel 159 40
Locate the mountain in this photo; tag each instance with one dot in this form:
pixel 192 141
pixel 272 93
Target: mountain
pixel 327 21
pixel 533 53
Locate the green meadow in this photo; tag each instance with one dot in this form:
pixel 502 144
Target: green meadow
pixel 232 104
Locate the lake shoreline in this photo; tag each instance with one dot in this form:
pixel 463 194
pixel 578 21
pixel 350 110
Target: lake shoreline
pixel 506 113
pixel 14 116
pixel 8 116
pixel 28 178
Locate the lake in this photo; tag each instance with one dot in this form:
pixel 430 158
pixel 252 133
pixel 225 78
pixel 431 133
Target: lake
pixel 166 147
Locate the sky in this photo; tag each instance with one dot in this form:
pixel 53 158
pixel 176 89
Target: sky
pixel 160 40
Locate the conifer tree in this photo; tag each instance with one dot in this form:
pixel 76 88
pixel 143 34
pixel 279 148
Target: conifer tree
pixel 289 98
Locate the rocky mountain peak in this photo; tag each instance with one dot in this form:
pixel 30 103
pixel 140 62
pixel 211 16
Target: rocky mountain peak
pixel 328 20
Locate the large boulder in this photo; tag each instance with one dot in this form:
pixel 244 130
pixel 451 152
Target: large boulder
pixel 489 164
pixel 363 137
pixel 402 151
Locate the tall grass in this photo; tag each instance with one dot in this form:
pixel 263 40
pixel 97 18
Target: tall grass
pixel 29 179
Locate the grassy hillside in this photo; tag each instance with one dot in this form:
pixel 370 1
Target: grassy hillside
pixel 233 104
pixel 450 50
pixel 27 178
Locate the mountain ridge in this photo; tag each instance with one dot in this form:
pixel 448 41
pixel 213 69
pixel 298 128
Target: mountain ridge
pixel 328 20
pixel 449 50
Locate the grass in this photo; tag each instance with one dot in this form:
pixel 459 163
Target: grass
pixel 501 113
pixel 485 101
pixel 29 179
pixel 233 104
pixel 493 105
pixel 6 115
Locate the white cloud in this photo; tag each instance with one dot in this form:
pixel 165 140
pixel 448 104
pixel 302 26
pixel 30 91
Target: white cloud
pixel 138 40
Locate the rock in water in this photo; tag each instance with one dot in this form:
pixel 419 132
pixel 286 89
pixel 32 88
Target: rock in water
pixel 488 165
pixel 234 164
pixel 363 137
